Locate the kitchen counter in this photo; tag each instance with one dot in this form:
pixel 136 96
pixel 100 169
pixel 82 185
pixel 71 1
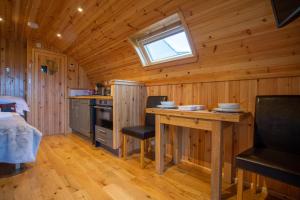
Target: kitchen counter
pixel 98 97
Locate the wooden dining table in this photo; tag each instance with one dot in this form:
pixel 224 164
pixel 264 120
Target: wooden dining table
pixel 215 123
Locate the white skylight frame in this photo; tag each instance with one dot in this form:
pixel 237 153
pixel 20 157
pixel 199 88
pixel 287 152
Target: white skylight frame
pixel 159 31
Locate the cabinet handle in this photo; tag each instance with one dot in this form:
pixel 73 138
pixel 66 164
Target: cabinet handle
pixel 102 107
pixel 101 131
pixel 100 139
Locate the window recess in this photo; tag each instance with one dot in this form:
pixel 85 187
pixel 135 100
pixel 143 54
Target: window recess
pixel 165 43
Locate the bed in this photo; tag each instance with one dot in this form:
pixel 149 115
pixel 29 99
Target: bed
pixel 19 141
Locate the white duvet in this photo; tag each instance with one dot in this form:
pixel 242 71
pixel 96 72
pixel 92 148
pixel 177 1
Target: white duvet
pixel 19 141
pixel 5 115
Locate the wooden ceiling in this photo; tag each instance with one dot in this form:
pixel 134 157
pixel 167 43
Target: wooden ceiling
pixel 103 26
pixel 228 35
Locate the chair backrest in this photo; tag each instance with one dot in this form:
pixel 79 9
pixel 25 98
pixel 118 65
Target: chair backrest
pixel 277 123
pixel 152 102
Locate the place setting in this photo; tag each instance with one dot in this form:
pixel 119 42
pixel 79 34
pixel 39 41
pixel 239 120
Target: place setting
pixel 228 108
pixel 222 107
pixel 172 105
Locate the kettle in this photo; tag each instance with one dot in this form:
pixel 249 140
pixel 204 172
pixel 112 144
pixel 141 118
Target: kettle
pixel 99 89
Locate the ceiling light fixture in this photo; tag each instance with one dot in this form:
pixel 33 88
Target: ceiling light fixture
pixel 1 19
pixel 58 35
pixel 80 9
pixel 32 25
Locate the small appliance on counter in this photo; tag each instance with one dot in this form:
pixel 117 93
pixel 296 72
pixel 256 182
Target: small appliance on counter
pixel 102 90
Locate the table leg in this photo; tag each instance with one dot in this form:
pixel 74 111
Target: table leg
pixel 229 169
pixel 159 145
pixel 216 161
pixel 177 145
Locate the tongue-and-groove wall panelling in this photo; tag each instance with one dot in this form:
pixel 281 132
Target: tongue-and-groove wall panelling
pixel 48 93
pixel 234 39
pixel 54 102
pixel 12 67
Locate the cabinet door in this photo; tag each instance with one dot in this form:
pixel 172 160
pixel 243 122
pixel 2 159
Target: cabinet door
pixel 74 115
pixel 80 116
pixel 84 117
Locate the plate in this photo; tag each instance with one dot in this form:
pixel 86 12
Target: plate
pixel 167 107
pixel 191 107
pixel 167 103
pixel 228 110
pixel 229 105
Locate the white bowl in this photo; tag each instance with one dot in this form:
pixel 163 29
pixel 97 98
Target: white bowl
pixel 167 103
pixel 229 105
pixel 200 107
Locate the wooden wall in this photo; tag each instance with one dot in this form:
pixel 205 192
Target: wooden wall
pixel 12 56
pixel 47 92
pixel 55 105
pixel 235 40
pixel 76 76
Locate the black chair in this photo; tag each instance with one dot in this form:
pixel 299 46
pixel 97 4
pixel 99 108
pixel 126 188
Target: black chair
pixel 276 150
pixel 143 132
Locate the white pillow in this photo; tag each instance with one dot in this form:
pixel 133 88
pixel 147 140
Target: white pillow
pixel 21 104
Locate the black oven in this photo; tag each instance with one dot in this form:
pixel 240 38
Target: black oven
pixel 104 114
pixel 103 123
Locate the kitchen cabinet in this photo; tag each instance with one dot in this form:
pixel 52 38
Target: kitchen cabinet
pixel 128 103
pixel 80 116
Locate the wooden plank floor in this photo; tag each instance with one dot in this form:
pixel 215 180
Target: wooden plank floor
pixel 68 167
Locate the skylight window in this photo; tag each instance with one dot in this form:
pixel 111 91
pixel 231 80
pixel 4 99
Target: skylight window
pixel 163 42
pixel 173 46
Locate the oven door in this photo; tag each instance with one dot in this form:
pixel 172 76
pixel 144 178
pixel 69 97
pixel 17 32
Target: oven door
pixel 104 116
